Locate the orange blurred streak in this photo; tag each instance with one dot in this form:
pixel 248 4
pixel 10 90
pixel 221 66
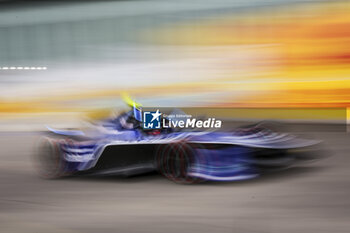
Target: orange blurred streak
pixel 312 42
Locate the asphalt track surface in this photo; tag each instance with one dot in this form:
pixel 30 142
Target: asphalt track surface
pixel 313 197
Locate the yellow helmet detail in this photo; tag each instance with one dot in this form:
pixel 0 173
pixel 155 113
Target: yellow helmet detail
pixel 130 102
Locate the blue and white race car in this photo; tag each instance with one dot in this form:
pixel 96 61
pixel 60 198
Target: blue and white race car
pixel 119 146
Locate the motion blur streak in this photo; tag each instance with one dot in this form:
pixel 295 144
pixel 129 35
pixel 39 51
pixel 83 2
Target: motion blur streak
pixel 259 55
pixel 232 53
pixel 290 56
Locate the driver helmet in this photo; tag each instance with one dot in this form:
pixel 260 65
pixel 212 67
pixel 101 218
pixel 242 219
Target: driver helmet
pixel 136 107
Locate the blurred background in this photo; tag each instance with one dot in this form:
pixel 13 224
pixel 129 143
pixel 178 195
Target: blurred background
pixel 250 54
pixel 63 61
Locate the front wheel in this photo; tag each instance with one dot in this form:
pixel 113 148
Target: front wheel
pixel 48 160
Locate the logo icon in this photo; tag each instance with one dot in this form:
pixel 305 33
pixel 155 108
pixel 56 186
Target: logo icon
pixel 151 120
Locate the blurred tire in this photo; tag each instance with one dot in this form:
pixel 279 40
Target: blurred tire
pixel 48 160
pixel 174 162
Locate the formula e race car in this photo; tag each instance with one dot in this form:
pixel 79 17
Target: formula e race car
pixel 179 155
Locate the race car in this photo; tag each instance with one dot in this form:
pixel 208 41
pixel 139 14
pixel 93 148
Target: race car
pixel 119 146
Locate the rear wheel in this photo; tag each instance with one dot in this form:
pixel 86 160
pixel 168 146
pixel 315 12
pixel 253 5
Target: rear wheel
pixel 174 161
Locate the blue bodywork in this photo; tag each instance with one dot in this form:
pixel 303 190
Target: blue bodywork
pixel 221 156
